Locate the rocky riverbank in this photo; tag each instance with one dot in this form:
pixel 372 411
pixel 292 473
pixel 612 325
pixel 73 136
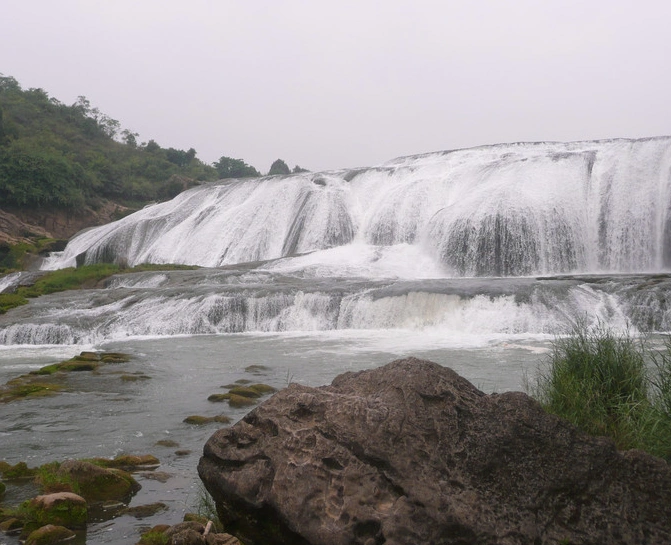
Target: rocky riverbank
pixel 62 499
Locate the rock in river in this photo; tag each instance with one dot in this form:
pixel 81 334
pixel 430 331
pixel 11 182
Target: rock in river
pixel 411 453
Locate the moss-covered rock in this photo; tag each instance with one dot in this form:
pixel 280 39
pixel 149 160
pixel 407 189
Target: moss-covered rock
pixel 129 462
pixel 160 476
pixel 244 391
pixel 47 369
pixel 200 420
pixel 262 389
pixel 86 361
pixel 114 357
pixel 77 365
pixel 87 356
pixel 2 488
pixel 50 480
pixel 17 471
pixel 133 378
pixel 155 536
pixel 50 535
pixel 167 443
pixel 194 517
pixel 23 387
pixel 61 509
pixel 34 385
pixel 257 369
pixel 217 398
pixel 97 483
pixel 238 401
pixel 10 524
pixel 144 511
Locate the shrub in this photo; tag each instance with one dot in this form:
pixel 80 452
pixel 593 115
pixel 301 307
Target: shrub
pixel 602 382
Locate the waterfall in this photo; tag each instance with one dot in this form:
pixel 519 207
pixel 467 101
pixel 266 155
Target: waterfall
pixel 503 210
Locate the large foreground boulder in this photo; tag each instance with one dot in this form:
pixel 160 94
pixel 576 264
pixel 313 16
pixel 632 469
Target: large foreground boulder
pixel 411 453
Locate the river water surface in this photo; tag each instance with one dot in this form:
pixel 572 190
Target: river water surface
pixel 99 414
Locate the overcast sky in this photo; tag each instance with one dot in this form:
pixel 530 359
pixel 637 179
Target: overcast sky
pixel 334 84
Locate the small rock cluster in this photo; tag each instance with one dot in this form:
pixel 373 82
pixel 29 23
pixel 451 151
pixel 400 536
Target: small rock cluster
pixel 241 394
pixel 58 513
pixel 50 379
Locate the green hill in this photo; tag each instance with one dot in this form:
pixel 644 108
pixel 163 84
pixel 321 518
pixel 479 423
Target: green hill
pixel 55 155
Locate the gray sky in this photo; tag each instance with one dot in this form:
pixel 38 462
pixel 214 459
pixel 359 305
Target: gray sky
pixel 334 84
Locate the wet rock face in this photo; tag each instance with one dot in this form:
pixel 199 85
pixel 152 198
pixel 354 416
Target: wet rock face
pixel 412 453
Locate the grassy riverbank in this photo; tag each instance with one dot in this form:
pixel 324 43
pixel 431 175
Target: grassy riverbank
pixel 87 276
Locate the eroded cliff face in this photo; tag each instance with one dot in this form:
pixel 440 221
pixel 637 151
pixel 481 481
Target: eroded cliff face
pixel 19 225
pixel 412 453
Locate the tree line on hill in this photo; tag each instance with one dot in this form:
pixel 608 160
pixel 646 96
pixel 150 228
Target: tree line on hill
pixel 58 155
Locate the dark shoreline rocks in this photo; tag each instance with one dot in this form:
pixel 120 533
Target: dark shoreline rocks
pixel 411 453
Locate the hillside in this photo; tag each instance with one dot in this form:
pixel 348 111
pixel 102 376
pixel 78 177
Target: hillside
pixel 67 167
pixel 62 159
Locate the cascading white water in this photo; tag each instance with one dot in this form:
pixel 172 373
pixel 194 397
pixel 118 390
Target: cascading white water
pixel 223 301
pixel 504 210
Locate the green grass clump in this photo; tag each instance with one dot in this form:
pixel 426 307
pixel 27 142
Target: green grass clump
pixel 17 471
pixel 69 279
pixel 9 301
pixel 206 509
pixel 50 480
pixel 606 384
pixel 154 537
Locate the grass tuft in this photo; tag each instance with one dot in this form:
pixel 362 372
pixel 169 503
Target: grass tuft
pixel 605 383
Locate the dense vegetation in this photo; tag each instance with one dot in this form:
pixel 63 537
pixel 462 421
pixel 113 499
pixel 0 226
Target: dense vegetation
pixel 58 155
pixel 613 385
pixel 52 154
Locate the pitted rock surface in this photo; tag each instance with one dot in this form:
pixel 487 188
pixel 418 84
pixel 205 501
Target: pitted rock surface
pixel 412 453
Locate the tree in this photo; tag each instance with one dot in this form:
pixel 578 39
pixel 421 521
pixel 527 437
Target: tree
pixel 152 146
pixel 130 138
pixel 8 83
pixel 279 167
pixel 83 105
pixel 176 156
pixel 3 134
pixel 228 167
